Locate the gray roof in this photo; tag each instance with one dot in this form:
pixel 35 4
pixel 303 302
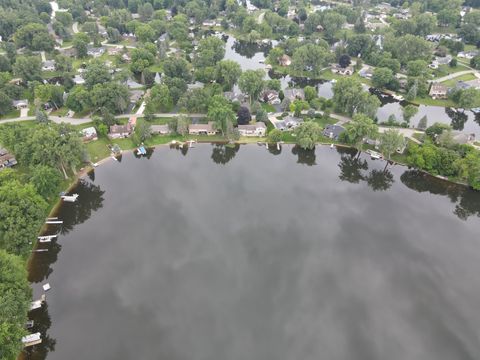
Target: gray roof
pixel 333 131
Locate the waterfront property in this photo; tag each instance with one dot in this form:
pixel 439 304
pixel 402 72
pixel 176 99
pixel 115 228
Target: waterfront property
pixel 202 129
pixel 438 91
pixel 257 129
pixel 160 129
pixel 333 131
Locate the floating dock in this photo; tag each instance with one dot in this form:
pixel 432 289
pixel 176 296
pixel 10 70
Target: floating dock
pixel 37 304
pixel 32 339
pixel 54 222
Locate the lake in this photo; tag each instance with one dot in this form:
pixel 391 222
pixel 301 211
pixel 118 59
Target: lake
pixel 216 253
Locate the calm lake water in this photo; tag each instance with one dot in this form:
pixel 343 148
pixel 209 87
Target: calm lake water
pixel 252 57
pixel 241 253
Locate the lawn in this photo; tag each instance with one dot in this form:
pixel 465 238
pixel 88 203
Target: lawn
pixel 453 82
pixel 11 114
pixel 269 108
pixel 433 102
pixel 444 70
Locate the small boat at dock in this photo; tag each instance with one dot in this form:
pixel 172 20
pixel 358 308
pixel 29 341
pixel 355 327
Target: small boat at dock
pixel 54 222
pixel 40 250
pixel 37 304
pixel 32 339
pixel 141 150
pixel 374 154
pixel 47 237
pixel 69 198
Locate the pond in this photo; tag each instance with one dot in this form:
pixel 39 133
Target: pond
pixel 240 252
pixel 252 57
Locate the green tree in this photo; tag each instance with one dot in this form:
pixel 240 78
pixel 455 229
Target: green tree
pixel 251 83
pixel 227 73
pixel 29 68
pixel 35 37
pixel 143 131
pixel 360 128
pixel 382 78
pixel 310 93
pixel 160 99
pixel 307 134
pixel 311 59
pixel 275 136
pixel 5 103
pixel 96 73
pixel 422 124
pixel 297 106
pixel 112 96
pixel 349 97
pixel 15 297
pixel 22 212
pixel 222 114
pixel 390 141
pixel 78 99
pixel 182 125
pixel 46 180
pixel 80 44
pixel 409 112
pixel 141 60
pixel 145 33
pixel 177 68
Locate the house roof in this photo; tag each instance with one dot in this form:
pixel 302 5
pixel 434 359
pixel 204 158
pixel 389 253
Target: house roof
pixel 438 88
pixel 119 129
pixel 202 127
pixel 335 130
pixel 253 127
pixel 90 131
pixel 160 128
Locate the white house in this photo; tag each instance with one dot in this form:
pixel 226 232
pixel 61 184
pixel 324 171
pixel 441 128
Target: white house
pixel 48 65
pixel 89 134
pixel 20 104
pixel 257 129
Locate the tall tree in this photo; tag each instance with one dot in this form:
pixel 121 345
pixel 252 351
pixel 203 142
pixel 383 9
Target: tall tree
pixel 360 128
pixel 307 134
pixel 390 141
pixel 227 73
pixel 251 82
pixel 222 114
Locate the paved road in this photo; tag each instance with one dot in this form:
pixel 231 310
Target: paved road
pixel 455 75
pixel 80 121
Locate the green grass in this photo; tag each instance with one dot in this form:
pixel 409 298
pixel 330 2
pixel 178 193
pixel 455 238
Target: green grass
pixel 11 115
pixel 160 121
pixel 268 107
pixel 453 82
pixel 433 102
pixel 444 70
pixel 324 122
pixel 60 112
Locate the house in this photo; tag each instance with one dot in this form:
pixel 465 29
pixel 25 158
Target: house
pixel 48 65
pixel 20 104
pixel 445 60
pixel 209 23
pixel 96 52
pixel 89 134
pixel 195 85
pixel 271 97
pixel 202 129
pixel 366 72
pixel 285 60
pixel 119 131
pixel 132 84
pixel 135 96
pixel 160 129
pixel 467 54
pixel 78 80
pixel 438 91
pixel 113 50
pixel 6 160
pixel 462 138
pixel 463 85
pixel 333 131
pixel 233 96
pixel 337 69
pixel 257 129
pixel 294 94
pixel 291 122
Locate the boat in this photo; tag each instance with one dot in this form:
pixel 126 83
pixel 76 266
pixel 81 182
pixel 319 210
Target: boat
pixel 32 339
pixel 40 250
pixel 47 237
pixel 141 151
pixel 45 240
pixel 476 110
pixel 37 304
pixel 46 287
pixel 70 198
pixel 54 222
pixel 374 154
pixel 29 324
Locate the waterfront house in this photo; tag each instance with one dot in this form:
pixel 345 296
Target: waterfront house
pixel 438 91
pixel 96 52
pixel 462 138
pixel 89 134
pixel 119 131
pixel 333 131
pixel 160 129
pixel 20 104
pixel 257 129
pixel 202 129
